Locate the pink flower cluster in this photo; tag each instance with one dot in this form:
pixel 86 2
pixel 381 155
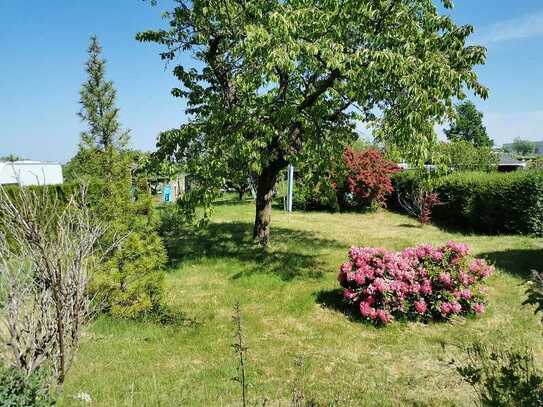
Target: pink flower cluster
pixel 419 283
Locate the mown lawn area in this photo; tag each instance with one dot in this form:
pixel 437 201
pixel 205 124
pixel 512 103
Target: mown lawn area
pixel 291 313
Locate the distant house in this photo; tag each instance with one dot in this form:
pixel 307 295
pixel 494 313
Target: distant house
pixel 507 163
pixel 27 173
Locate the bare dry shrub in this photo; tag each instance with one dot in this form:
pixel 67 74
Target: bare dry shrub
pixel 47 250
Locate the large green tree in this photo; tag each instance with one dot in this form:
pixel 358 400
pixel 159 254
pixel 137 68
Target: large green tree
pixel 523 147
pixel 468 126
pixel 98 109
pixel 273 82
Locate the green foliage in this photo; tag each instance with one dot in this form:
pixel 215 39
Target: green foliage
pixel 311 193
pixel 129 282
pixel 274 82
pixel 536 163
pixel 171 220
pixel 534 293
pixel 19 390
pixel 502 377
pixel 488 202
pixel 10 157
pixel 85 165
pixel 492 202
pixel 361 144
pixel 405 183
pixel 523 147
pixel 467 126
pixel 464 156
pixel 130 279
pixel 98 110
pixel 60 193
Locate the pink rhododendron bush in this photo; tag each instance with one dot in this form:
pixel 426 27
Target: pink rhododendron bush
pixel 419 283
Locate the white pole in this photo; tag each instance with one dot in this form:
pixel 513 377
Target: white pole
pixel 290 187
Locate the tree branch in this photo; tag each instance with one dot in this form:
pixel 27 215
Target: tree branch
pixel 320 88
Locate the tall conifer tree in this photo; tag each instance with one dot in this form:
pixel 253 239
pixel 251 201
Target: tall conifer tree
pixel 98 109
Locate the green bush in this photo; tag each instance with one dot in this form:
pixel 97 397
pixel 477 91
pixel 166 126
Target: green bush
pixel 60 193
pixel 310 196
pixel 488 202
pixel 18 389
pixel 502 377
pixel 492 202
pixel 312 191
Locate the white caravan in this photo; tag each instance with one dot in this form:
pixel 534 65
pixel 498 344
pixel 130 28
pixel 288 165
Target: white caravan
pixel 25 173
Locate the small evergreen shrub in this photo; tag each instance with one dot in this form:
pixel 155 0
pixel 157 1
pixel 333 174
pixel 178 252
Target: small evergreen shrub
pixel 415 196
pixel 129 281
pixel 421 283
pixel 403 184
pixel 18 389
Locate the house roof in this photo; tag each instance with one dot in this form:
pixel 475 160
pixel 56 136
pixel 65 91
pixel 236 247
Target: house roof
pixel 507 159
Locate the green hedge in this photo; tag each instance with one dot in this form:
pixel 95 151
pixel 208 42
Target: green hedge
pixel 487 202
pixel 492 202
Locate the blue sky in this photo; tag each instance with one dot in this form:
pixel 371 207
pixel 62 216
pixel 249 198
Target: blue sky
pixel 43 50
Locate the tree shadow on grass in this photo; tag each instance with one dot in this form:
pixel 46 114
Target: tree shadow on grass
pixel 233 240
pixel 516 262
pixel 410 226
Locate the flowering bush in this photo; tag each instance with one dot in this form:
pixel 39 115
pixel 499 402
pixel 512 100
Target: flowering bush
pixel 421 283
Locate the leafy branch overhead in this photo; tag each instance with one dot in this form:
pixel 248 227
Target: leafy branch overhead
pixel 269 82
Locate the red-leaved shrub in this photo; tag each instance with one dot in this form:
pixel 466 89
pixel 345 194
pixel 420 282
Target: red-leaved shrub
pixel 368 178
pixel 421 283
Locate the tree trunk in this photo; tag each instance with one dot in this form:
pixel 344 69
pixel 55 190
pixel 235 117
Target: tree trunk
pixel 241 193
pixel 265 183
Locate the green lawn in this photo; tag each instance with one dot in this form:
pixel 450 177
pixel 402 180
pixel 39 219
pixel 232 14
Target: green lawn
pixel 289 298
